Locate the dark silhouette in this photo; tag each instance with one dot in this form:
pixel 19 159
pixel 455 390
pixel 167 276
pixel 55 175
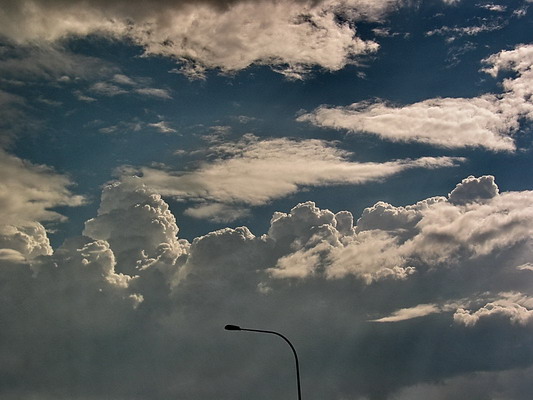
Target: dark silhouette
pixel 238 328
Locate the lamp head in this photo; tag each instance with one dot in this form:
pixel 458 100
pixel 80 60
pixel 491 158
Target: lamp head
pixel 232 328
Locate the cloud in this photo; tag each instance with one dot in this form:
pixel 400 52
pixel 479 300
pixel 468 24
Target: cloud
pixel 81 97
pixel 124 80
pixel 519 59
pixel 293 35
pixel 13 117
pixel 515 306
pixel 487 121
pixel 11 256
pixel 130 310
pixel 389 242
pixel 369 256
pixel 38 61
pixel 27 241
pixel 486 384
pixel 162 127
pixel 316 248
pixel 494 7
pixel 447 122
pixel 29 192
pixel 217 212
pixel 274 168
pixel 58 302
pixel 107 89
pixel 8 99
pixel 520 12
pixel 28 195
pixel 404 314
pixel 154 92
pixel 131 283
pixel 386 243
pixel 517 88
pixel 525 267
pixel 121 84
pixel 478 228
pixel 138 226
pixel 474 189
pixel 457 31
pixel 386 217
pixel 49 61
pixel 135 125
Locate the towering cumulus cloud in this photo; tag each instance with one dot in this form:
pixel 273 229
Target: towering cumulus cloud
pixel 134 305
pixel 137 224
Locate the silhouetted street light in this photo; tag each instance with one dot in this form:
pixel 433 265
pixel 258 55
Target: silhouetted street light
pixel 238 328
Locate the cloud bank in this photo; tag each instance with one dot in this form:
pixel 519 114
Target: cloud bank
pixel 131 310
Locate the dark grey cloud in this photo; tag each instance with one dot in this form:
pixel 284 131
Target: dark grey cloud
pixel 135 312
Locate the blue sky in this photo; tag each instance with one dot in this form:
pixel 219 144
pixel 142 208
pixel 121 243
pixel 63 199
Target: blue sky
pixel 352 173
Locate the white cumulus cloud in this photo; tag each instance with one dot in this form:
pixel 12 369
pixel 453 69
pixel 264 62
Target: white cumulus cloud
pixel 517 307
pixel 138 225
pixel 390 242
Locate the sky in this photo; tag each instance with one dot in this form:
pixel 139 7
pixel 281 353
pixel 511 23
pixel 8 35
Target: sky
pixel 354 174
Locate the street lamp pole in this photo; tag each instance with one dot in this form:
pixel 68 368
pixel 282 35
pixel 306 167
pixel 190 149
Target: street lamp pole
pixel 238 328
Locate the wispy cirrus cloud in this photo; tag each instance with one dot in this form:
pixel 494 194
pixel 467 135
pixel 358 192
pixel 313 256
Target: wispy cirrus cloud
pixel 135 125
pixel 38 61
pixel 107 89
pixel 13 117
pixel 154 92
pixel 120 84
pixel 453 32
pixel 162 126
pixel 50 62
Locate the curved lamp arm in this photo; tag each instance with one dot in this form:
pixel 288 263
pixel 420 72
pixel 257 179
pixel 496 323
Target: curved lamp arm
pixel 238 328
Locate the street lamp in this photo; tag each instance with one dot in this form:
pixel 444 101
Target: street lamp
pixel 238 328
